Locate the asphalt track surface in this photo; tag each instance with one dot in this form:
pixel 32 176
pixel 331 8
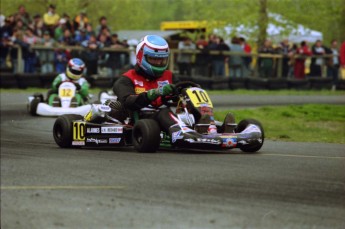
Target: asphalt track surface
pixel 284 185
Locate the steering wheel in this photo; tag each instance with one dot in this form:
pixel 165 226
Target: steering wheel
pixel 185 84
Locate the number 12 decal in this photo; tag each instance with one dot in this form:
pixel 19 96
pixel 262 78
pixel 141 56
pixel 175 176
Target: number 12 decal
pixel 78 131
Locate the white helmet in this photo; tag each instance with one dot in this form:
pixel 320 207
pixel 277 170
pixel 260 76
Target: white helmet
pixel 75 68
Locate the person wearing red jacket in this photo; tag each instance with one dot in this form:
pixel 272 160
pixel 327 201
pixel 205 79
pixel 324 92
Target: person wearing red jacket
pixel 303 51
pixel 148 85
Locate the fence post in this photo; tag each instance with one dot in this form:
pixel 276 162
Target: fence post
pixel 20 67
pixel 172 60
pixel 280 67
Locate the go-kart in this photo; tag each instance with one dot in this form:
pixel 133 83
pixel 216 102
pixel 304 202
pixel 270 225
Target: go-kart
pixel 146 135
pixel 66 105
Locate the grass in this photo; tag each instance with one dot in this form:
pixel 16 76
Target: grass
pixel 215 92
pixel 275 92
pixel 300 123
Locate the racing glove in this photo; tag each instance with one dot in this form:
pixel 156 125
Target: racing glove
pixel 160 91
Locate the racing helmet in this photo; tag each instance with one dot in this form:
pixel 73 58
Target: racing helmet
pixel 152 55
pixel 75 68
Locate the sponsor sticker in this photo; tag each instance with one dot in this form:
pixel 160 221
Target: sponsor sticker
pixel 251 128
pixel 88 116
pixel 140 83
pixel 208 141
pixel 176 135
pixel 114 140
pixel 92 130
pixel 186 129
pixel 162 83
pixel 78 143
pixel 112 130
pixel 104 108
pixel 229 142
pixel 139 90
pixel 96 140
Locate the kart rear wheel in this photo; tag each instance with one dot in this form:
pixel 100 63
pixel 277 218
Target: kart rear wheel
pixel 62 129
pixel 253 147
pixel 146 136
pixel 33 106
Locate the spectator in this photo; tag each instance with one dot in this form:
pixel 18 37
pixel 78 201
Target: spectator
pixel 114 61
pixel 30 60
pixel 2 20
pixel 5 46
pixel 23 16
pixel 342 59
pixel 292 54
pixel 67 38
pixel 89 30
pixel 80 21
pixel 103 23
pixel 91 54
pixel 47 55
pixel 184 60
pixel 284 50
pixel 333 63
pixel 61 59
pixel 37 25
pixel 218 61
pixel 236 61
pixel 19 26
pixel 105 32
pixel 302 52
pixel 81 36
pixel 59 29
pixel 248 50
pixel 6 29
pixel 201 59
pixel 68 23
pixel 266 63
pixel 51 19
pixel 18 40
pixel 317 62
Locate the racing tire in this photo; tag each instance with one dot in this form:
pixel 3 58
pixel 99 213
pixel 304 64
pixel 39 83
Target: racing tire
pixel 39 96
pixel 250 148
pixel 62 130
pixel 146 136
pixel 33 106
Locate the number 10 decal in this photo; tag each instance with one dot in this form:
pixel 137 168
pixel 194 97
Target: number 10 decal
pixel 199 97
pixel 78 131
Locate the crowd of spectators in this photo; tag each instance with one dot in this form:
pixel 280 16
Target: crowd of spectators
pixel 329 58
pixel 55 32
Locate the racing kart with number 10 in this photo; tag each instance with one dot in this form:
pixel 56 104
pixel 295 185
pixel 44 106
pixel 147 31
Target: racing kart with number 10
pixel 146 135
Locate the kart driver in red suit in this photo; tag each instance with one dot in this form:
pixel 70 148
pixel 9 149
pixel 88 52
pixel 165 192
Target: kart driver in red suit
pixel 149 82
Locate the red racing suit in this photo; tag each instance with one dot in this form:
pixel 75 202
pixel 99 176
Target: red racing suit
pixel 141 84
pixel 131 89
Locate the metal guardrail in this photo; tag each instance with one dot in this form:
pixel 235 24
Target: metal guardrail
pixel 277 58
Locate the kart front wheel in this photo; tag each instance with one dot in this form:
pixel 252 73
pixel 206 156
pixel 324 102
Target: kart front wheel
pixel 146 135
pixel 62 129
pixel 255 145
pixel 33 106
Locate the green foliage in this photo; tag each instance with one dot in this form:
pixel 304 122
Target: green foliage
pixel 302 123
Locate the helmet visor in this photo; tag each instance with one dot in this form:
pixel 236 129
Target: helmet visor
pixel 157 61
pixel 75 72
